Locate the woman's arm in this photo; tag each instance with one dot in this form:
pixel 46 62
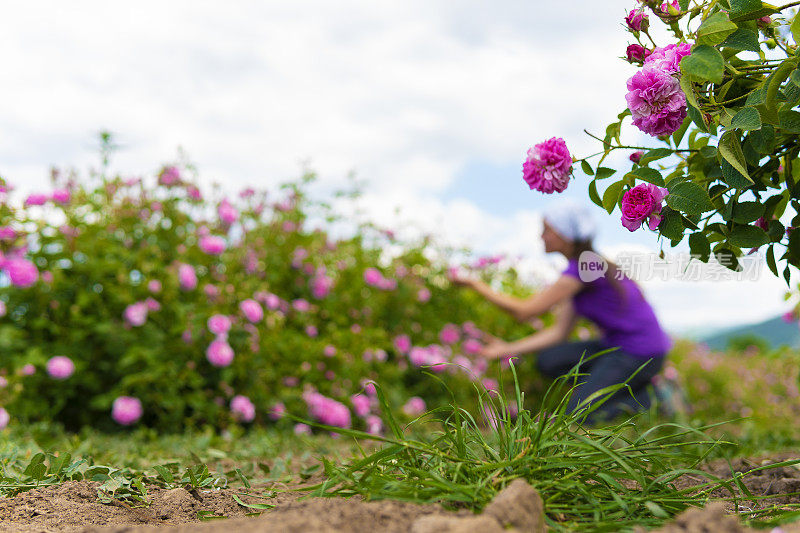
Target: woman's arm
pixel 524 309
pixel 555 334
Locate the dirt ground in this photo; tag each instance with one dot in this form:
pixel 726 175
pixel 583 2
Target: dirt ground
pixel 73 507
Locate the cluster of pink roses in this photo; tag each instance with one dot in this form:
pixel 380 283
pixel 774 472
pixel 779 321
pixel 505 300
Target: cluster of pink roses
pixel 654 97
pixel 374 278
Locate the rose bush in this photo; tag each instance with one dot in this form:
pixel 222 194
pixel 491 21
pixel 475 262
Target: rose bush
pixel 718 101
pixel 141 301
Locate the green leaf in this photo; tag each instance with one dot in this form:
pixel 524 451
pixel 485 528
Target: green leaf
pixel 727 258
pixel 593 195
pixel 698 118
pixel 730 148
pixel 748 236
pixel 794 77
pixel 684 4
pixel 747 119
pixel 689 197
pixel 677 137
pixel 715 29
pixel 688 91
pixel 647 174
pixel 611 195
pixel 705 64
pixel 587 168
pixel 656 509
pixel 732 177
pixel 747 212
pixel 604 172
pixel 164 473
pixel 795 28
pixel 749 10
pixel 743 39
pixel 654 155
pixel 699 246
pixel 671 225
pixel 790 121
pixel 771 260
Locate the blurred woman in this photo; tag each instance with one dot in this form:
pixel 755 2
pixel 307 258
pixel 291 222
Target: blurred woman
pixel 593 288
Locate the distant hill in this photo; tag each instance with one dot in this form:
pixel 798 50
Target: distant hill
pixel 774 331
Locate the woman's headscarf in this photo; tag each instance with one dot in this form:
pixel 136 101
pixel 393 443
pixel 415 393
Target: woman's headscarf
pixel 572 220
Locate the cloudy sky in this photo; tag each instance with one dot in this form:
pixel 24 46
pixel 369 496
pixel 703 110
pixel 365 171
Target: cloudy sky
pixel 431 104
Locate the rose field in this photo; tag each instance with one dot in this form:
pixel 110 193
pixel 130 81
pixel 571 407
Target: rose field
pixel 182 357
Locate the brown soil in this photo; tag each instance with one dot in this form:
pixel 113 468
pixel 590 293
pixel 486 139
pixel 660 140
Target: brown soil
pixel 74 507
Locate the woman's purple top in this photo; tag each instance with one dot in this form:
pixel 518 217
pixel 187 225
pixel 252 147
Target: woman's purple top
pixel 630 324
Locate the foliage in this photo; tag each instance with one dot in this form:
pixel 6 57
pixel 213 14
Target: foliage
pixel 113 296
pixel 730 168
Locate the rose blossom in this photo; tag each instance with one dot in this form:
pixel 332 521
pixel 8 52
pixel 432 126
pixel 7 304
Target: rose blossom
pixel 277 411
pixel 60 196
pixel 302 429
pixel 637 20
pixel 219 324
pixel 126 410
pixel 415 406
pixel 242 408
pixel 7 233
pixel 656 101
pixel 361 404
pixel 423 295
pixel 154 286
pixel 252 310
pixel 219 353
pixel 169 176
pixel 4 418
pixel 548 166
pixel 636 156
pixel 136 314
pixel 668 58
pixel 449 334
pixel 227 213
pixel 152 304
pixel 21 272
pixel 374 424
pixel 36 199
pixel 60 367
pixel 640 203
pixel 373 277
pixel 28 370
pixel 212 244
pixel 402 343
pixel 187 278
pixel 636 53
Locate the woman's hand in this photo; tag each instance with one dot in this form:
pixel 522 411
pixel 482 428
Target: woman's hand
pixel 495 349
pixel 459 278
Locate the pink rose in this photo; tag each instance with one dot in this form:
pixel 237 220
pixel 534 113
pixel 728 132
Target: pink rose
pixel 374 424
pixel 637 20
pixel 219 353
pixel 636 156
pixel 450 334
pixel 60 367
pixel 373 277
pixel 329 351
pixel 415 406
pixel 636 53
pixel 640 203
pixel 4 418
pixel 169 176
pixel 361 404
pixel 126 410
pixel 252 310
pixel 152 304
pixel 227 213
pixel 277 411
pixel 219 324
pixel 136 314
pixel 21 272
pixel 154 286
pixel 548 166
pixel 61 196
pixel 423 295
pixel 402 343
pixel 656 101
pixel 187 278
pixel 668 58
pixel 36 199
pixel 243 409
pixel 212 244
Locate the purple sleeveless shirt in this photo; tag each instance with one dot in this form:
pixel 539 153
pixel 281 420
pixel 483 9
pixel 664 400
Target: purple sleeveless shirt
pixel 630 324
